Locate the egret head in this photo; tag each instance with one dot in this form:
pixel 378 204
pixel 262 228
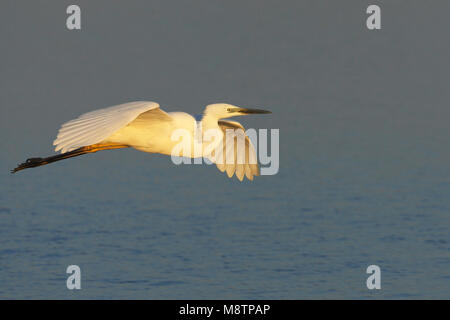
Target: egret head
pixel 225 110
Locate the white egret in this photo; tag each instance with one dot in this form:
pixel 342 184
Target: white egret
pixel 144 126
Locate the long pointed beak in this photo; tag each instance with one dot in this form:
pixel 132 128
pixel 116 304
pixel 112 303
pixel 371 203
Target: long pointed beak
pixel 252 111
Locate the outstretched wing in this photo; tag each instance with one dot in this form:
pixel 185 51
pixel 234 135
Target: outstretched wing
pixel 95 126
pixel 239 159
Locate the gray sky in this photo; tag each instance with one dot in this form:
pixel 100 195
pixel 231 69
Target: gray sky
pixel 313 63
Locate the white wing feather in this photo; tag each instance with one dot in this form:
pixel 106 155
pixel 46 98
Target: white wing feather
pixel 234 159
pixel 95 126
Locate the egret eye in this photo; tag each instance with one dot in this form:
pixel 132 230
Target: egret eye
pixel 228 109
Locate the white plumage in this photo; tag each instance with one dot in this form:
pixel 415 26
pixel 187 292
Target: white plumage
pixel 144 126
pixel 95 126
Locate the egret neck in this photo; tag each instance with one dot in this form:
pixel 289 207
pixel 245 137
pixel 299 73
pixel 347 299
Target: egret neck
pixel 208 133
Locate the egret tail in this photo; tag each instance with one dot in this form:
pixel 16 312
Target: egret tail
pixel 36 162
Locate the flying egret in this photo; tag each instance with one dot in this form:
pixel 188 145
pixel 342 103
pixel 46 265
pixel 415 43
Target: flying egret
pixel 144 126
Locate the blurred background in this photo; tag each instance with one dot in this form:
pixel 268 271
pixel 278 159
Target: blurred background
pixel 364 151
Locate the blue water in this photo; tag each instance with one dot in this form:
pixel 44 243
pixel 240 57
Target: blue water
pixel 364 153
